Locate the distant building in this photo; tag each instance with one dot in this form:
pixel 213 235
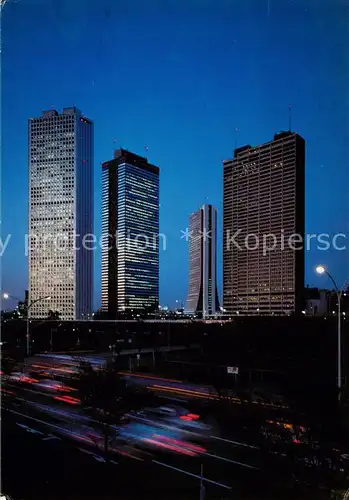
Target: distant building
pixel 322 302
pixel 130 234
pixel 23 305
pixel 333 303
pixel 202 291
pixel 316 302
pixel 264 197
pixel 60 214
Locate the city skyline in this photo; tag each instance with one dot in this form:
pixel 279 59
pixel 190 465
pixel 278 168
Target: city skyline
pixel 194 108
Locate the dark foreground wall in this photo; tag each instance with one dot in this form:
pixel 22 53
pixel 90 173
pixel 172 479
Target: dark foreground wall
pixel 297 352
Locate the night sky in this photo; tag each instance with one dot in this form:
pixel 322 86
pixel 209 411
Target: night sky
pixel 180 76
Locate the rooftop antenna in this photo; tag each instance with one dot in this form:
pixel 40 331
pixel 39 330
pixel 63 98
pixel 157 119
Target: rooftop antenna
pixel 115 142
pixel 289 117
pixel 235 136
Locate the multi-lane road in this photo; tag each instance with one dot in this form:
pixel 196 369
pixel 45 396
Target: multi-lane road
pixel 175 450
pixel 43 413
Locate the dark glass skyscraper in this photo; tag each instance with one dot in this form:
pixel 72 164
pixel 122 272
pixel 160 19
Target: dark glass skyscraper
pixel 130 234
pixel 202 293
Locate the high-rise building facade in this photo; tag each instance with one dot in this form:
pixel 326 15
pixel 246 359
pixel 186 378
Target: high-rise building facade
pixel 130 234
pixel 60 254
pixel 264 207
pixel 202 293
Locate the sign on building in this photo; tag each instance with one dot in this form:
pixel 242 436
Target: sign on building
pixel 232 370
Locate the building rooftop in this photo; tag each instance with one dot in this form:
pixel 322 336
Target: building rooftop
pixel 122 156
pixel 244 149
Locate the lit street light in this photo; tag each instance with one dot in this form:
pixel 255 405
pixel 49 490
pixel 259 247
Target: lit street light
pixel 27 306
pixel 322 270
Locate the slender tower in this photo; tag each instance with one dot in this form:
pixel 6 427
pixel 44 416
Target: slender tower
pixel 202 293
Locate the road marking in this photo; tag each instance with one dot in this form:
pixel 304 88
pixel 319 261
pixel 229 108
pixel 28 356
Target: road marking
pixel 86 451
pixel 193 475
pixel 96 457
pixel 231 461
pixel 235 442
pixel 51 436
pixel 49 409
pixel 101 459
pixel 29 429
pixel 37 420
pixel 26 389
pixel 66 431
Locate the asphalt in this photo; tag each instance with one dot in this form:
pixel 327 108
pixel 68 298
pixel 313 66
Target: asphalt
pixel 33 469
pixel 36 469
pixel 41 460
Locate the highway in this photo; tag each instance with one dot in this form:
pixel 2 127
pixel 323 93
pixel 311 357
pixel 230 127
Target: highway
pixel 172 442
pixel 162 386
pixel 51 412
pixel 38 467
pixel 39 412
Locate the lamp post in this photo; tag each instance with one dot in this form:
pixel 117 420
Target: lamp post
pixel 27 306
pixel 339 291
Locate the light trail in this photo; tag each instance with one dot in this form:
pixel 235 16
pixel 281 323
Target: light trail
pixel 48 424
pixel 26 389
pixel 166 446
pixel 186 451
pixel 185 392
pixel 62 413
pixel 150 377
pixel 67 399
pixel 204 395
pixel 163 425
pixel 78 416
pixel 157 387
pixel 74 401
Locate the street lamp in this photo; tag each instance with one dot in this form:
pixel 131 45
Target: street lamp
pixel 322 270
pixel 27 306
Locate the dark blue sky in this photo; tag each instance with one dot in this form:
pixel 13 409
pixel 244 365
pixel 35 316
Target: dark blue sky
pixel 180 76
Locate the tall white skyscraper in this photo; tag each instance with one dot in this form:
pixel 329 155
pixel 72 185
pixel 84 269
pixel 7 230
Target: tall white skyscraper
pixel 202 293
pixel 60 255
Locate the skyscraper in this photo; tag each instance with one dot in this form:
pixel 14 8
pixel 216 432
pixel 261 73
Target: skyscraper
pixel 60 214
pixel 130 234
pixel 264 200
pixel 202 293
